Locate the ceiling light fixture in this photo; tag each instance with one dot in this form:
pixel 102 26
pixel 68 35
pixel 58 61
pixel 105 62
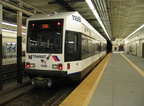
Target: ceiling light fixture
pixel 142 26
pixel 14 25
pixel 91 6
pixel 6 30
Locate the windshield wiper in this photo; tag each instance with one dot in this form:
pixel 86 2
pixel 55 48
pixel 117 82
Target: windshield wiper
pixel 48 56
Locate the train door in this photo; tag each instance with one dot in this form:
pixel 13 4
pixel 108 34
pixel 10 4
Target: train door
pixel 72 46
pixel 142 50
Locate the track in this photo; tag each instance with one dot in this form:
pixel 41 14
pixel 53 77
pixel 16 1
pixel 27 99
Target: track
pixel 37 96
pixel 44 96
pixel 9 72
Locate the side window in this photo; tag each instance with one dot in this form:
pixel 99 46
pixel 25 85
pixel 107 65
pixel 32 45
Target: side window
pixel 97 47
pixel 84 45
pixel 87 47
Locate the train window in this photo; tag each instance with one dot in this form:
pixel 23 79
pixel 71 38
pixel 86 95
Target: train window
pixel 88 45
pixel 84 45
pixel 97 47
pixel 45 36
pixel 72 40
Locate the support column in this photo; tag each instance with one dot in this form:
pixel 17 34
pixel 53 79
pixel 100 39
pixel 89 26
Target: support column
pixel 1 47
pixel 19 47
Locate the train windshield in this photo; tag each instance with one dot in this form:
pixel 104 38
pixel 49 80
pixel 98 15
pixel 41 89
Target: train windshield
pixel 45 36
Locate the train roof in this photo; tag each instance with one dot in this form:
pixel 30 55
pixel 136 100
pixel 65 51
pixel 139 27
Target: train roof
pixel 62 15
pixel 52 15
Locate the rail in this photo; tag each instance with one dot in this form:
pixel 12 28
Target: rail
pixel 9 72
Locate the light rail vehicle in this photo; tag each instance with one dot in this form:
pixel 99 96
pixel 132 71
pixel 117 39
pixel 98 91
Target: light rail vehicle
pixel 61 45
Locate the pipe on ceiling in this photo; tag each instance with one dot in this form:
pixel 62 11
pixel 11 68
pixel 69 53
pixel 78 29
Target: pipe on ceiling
pixel 101 6
pixel 31 6
pixel 16 8
pixel 65 5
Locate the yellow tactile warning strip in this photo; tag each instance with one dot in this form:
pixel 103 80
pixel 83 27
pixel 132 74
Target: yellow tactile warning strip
pixel 137 68
pixel 81 96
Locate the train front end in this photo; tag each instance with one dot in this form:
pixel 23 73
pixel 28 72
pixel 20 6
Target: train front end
pixel 44 58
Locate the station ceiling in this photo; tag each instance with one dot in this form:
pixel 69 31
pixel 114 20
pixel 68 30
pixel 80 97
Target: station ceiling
pixel 120 17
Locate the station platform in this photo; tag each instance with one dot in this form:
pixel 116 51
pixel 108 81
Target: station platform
pixel 117 81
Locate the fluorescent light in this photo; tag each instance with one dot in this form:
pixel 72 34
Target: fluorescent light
pixel 9 30
pixel 96 14
pixel 71 42
pixel 14 25
pixel 91 6
pixel 23 27
pixel 142 26
pixel 6 30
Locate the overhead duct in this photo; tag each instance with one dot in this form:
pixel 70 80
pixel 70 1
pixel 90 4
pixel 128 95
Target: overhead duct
pixel 101 7
pixel 16 8
pixel 65 5
pixel 21 8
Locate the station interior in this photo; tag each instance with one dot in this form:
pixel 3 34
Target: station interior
pixel 115 20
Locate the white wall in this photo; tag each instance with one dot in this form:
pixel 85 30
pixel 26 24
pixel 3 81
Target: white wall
pixel 12 37
pixel 135 42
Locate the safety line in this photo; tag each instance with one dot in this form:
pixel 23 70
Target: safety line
pixel 89 96
pixel 82 95
pixel 137 68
